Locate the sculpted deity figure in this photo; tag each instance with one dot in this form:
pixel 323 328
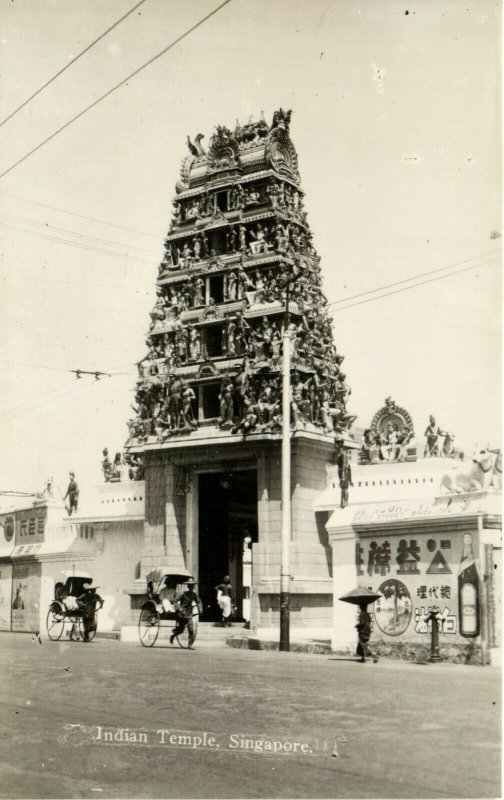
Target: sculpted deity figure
pixel 181 341
pixel 199 292
pixel 194 210
pixel 390 443
pixel 272 192
pixel 250 417
pixel 259 245
pixel 252 196
pixel 230 338
pixel 370 446
pixel 106 466
pixel 194 344
pixel 197 248
pixel 243 238
pixel 433 435
pixel 231 238
pixel 226 404
pixel 232 286
pixel 188 398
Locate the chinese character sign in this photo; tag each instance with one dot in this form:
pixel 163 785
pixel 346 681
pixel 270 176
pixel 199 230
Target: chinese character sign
pixel 414 575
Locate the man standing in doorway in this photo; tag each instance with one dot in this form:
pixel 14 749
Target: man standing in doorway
pixel 188 604
pixel 224 601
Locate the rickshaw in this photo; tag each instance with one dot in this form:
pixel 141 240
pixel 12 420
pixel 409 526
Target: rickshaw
pixel 163 585
pixel 73 605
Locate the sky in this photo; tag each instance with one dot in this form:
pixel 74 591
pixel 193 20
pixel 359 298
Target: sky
pixel 396 121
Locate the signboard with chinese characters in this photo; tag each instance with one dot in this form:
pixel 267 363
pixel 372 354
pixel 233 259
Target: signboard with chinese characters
pixel 25 604
pixel 30 525
pixel 5 596
pixel 415 574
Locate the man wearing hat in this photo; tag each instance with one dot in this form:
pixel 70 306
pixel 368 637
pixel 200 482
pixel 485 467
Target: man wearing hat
pixel 86 604
pixel 186 602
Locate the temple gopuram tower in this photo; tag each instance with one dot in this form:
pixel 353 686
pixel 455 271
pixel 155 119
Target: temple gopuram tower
pixel 208 398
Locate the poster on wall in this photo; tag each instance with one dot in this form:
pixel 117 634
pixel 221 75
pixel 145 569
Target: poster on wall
pixel 417 574
pixel 5 596
pixel 26 581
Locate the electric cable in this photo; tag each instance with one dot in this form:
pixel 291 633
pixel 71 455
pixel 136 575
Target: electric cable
pixel 415 285
pixel 47 225
pixel 413 277
pixel 30 402
pixel 50 400
pixel 62 369
pixel 80 245
pixel 81 216
pixel 61 71
pixel 117 86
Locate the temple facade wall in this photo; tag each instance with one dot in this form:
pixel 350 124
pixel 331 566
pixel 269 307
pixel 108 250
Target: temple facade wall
pixel 173 528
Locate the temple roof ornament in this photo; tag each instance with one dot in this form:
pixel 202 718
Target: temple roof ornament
pixel 390 436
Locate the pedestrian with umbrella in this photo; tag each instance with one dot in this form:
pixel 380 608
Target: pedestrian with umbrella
pixel 362 597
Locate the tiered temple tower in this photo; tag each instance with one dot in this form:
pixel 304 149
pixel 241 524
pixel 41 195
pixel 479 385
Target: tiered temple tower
pixel 209 391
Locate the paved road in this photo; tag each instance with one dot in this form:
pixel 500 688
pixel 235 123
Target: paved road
pixel 399 729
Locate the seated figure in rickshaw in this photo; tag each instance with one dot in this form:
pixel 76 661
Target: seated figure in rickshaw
pixel 167 596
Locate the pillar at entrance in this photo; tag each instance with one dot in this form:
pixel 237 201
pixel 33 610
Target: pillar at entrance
pixel 343 541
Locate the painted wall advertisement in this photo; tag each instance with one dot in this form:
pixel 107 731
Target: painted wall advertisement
pixel 418 574
pixel 26 583
pixel 5 596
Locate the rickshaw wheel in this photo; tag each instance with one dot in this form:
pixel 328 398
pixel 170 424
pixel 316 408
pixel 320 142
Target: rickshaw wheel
pixel 55 623
pixel 148 626
pixel 183 638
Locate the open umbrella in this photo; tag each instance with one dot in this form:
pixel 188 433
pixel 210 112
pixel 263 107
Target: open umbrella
pixel 360 596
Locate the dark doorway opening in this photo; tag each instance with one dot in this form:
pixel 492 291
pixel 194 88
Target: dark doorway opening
pixel 227 515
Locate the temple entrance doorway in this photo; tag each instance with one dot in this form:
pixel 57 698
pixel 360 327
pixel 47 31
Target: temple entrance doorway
pixel 227 513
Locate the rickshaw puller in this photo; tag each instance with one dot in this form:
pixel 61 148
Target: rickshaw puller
pixel 186 601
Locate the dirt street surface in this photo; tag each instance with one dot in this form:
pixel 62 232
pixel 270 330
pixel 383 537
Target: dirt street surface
pixel 107 720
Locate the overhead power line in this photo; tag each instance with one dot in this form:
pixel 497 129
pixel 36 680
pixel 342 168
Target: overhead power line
pixel 415 285
pixel 80 245
pixel 412 278
pixel 33 399
pixel 80 216
pixel 117 86
pixel 36 405
pixel 79 372
pixel 47 226
pixel 61 71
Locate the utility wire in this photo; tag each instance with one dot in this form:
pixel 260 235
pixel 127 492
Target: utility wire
pixel 80 245
pixel 48 226
pixel 121 83
pixel 414 286
pixel 119 287
pixel 61 369
pixel 412 278
pixel 45 402
pixel 61 71
pixel 81 216
pixel 33 399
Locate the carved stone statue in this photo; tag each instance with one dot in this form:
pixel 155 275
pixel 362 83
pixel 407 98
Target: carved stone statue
pixel 433 435
pixel 232 286
pixel 226 404
pixel 194 344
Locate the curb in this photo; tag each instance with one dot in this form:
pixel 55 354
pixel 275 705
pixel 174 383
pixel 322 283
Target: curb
pixel 251 643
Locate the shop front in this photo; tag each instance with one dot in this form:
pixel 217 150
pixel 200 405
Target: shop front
pixel 424 553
